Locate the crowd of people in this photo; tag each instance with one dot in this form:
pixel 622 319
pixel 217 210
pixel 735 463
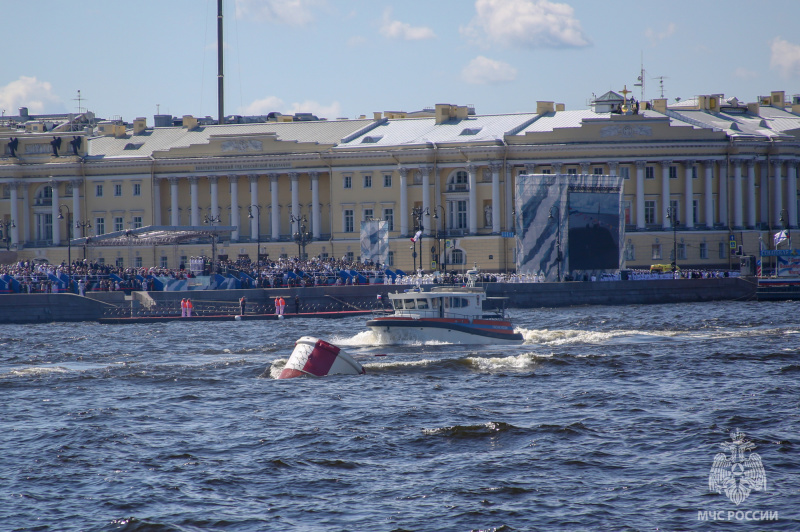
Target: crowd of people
pixel 41 277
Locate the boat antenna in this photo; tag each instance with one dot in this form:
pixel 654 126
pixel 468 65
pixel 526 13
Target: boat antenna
pixel 220 75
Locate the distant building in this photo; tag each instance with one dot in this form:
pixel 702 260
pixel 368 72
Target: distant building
pixel 726 169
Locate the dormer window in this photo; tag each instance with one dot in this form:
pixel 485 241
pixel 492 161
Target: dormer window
pixel 471 131
pixel 372 139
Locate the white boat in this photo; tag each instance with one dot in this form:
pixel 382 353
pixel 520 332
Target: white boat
pixel 445 314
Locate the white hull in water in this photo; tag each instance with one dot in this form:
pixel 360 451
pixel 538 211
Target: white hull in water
pixel 317 358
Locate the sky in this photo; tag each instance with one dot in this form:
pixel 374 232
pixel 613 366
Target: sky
pixel 347 58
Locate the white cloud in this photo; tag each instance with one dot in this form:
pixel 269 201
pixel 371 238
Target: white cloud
pixel 785 57
pixel 483 70
pixel 273 103
pixel 656 37
pixel 289 12
pixel 28 92
pixel 394 29
pixel 526 23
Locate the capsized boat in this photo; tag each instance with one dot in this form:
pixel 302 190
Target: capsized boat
pixel 446 314
pixel 318 358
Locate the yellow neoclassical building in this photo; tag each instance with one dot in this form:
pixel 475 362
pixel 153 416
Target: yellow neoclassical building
pixel 698 176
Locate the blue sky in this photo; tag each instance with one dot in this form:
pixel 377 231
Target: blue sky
pixel 345 58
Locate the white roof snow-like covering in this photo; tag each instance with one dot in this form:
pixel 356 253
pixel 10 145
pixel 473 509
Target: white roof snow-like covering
pixel 154 235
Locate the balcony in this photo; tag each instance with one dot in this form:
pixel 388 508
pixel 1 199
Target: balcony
pixel 458 187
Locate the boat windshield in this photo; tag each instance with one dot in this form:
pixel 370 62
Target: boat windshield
pixel 422 303
pixel 409 303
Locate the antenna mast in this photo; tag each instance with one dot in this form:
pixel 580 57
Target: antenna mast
pixel 641 79
pixel 220 76
pixel 661 83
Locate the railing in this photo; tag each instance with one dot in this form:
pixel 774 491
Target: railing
pixel 458 187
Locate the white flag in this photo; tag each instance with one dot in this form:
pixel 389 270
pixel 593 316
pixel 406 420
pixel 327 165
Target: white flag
pixel 416 236
pixel 780 237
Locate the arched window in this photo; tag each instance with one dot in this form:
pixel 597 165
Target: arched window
pixel 458 181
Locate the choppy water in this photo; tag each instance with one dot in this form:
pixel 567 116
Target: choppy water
pixel 607 418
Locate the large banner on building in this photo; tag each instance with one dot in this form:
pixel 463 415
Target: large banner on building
pixel 569 226
pixel 375 241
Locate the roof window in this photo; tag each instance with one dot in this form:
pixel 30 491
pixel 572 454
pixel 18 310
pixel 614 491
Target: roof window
pixel 372 139
pixel 471 131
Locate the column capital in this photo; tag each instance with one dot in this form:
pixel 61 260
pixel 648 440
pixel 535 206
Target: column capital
pixel 253 178
pixel 213 179
pixel 737 162
pixel 426 170
pixel 530 168
pixel 403 171
pixel 314 175
pixel 471 167
pixel 557 167
pixel 751 163
pixel 76 182
pixel 689 163
pixel 709 163
pixel 641 164
pixel 173 180
pixel 614 167
pixel 495 166
pixel 665 164
pixel 273 176
pixel 294 176
pixel 193 179
pixel 584 168
pixel 233 178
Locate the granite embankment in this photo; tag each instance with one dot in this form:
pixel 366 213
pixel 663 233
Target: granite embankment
pixel 39 308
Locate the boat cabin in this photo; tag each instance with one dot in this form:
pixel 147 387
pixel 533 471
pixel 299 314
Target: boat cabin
pixel 440 302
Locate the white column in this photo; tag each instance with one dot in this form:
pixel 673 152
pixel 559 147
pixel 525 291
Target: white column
pixel 77 232
pixel 426 193
pixel 585 168
pixel 777 187
pixel 275 214
pixel 195 201
pixel 14 214
pixel 255 230
pixel 764 192
pixel 688 216
pixel 495 167
pixel 316 215
pixel 723 193
pixel 156 201
pixel 472 170
pixel 214 181
pixel 294 177
pixel 403 201
pixel 54 211
pixel 613 169
pixel 709 193
pixel 174 220
pixel 751 193
pixel 792 192
pixel 640 165
pixel 234 184
pixel 738 218
pixel 509 212
pixel 26 213
pixel 666 223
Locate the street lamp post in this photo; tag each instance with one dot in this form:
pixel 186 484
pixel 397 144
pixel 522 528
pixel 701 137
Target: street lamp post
pixel 212 220
pixel 417 213
pixel 557 218
pixel 83 225
pixel 258 227
pixel 69 237
pixel 672 216
pixel 302 236
pixel 6 236
pixel 439 240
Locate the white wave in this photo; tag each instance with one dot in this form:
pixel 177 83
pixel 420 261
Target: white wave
pixel 516 362
pixel 398 364
pixel 276 367
pixel 37 370
pixel 368 338
pixel 572 336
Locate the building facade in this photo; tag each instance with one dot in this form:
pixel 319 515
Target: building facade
pixel 698 176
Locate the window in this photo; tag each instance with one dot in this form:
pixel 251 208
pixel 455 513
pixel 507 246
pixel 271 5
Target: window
pixel 137 222
pixel 387 180
pixel 650 212
pixel 164 262
pixel 675 209
pixel 722 254
pixel 458 214
pixel 137 189
pixel 656 252
pixel 650 172
pixel 367 214
pixel 99 226
pixel 368 181
pixel 695 210
pixel 324 255
pixel 137 262
pixel 598 170
pixel 703 250
pixel 572 171
pixel 681 251
pixel 456 257
pixel 119 223
pixel 120 262
pixel 348 220
pixel 625 172
pixel 98 191
pixel 694 172
pixel 349 256
pixel 390 260
pixel 118 190
pixel 458 182
pixel 673 172
pixel 546 171
pixel 347 181
pixel 626 210
pixel 388 215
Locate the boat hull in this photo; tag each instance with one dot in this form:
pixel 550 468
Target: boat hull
pixel 399 330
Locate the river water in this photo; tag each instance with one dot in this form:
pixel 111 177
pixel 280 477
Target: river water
pixel 607 418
